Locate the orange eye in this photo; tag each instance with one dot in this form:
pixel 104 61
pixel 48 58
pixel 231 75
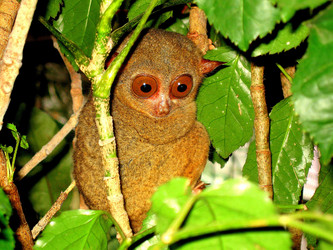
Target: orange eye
pixel 144 86
pixel 181 86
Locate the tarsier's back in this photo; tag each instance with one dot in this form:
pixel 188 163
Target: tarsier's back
pixel 154 114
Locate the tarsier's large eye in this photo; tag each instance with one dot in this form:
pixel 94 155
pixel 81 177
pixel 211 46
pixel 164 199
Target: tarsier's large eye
pixel 144 86
pixel 181 86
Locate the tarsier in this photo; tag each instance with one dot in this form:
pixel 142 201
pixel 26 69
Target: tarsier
pixel 157 134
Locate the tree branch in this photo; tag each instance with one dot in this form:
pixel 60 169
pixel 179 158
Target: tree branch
pixel 261 128
pixel 8 10
pixel 20 226
pixel 53 210
pixel 12 57
pixel 49 147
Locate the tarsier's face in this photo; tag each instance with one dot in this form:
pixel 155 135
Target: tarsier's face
pixel 162 98
pixel 161 76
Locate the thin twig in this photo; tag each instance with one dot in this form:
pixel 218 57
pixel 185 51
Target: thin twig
pixel 287 76
pixel 12 57
pixel 198 29
pixel 261 127
pixel 53 210
pixel 49 147
pixel 76 82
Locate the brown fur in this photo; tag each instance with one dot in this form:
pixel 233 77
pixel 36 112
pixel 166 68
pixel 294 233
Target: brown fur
pixel 151 149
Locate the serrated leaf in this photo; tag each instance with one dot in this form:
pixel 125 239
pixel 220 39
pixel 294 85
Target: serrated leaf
pixel 7 240
pixel 292 154
pixel 286 39
pixel 312 85
pixel 78 21
pixel 224 102
pixel 53 8
pixel 323 197
pixel 289 7
pixel 76 229
pixel 232 201
pixel 241 20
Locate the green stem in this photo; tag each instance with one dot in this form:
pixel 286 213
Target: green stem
pixel 290 220
pixel 102 44
pixel 128 242
pixel 103 87
pixel 219 226
pixel 11 166
pixel 285 73
pixel 300 206
pixel 311 229
pixel 118 228
pixel 175 225
pixel 104 26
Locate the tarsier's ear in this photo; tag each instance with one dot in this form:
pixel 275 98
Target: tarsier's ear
pixel 207 66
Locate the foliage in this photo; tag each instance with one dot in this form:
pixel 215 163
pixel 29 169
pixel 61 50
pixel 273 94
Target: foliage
pixel 78 229
pixel 313 84
pixel 235 214
pixel 6 234
pixel 224 102
pixel 20 141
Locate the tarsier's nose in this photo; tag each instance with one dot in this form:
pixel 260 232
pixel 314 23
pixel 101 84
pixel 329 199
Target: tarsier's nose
pixel 163 107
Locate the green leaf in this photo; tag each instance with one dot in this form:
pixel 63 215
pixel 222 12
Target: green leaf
pixel 78 21
pixel 76 229
pixel 286 39
pixel 226 204
pixel 180 26
pixel 5 208
pixel 241 20
pixel 289 7
pixel 215 157
pixel 7 240
pixel 11 127
pixel 14 131
pixel 323 197
pixel 42 128
pixel 23 142
pixel 250 168
pixel 224 102
pixel 292 154
pixel 312 85
pixel 233 201
pixel 139 7
pixel 117 34
pixel 168 200
pixel 6 149
pixel 53 9
pixel 67 47
pixel 46 190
